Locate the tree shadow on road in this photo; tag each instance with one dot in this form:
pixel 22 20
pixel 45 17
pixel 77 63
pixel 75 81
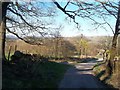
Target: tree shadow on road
pixel 86 60
pixel 81 79
pixel 85 69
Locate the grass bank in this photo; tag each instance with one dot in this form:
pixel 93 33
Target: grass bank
pixel 112 81
pixel 38 75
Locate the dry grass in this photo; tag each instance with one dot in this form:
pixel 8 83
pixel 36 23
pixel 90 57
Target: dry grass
pixel 112 81
pixel 115 79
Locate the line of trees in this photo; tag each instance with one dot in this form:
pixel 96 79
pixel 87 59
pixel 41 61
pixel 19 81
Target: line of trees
pixel 64 47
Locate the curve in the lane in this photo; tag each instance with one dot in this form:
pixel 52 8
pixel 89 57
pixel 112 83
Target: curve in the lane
pixel 80 76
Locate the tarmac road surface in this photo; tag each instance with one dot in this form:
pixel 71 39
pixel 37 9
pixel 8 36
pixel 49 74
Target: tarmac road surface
pixel 81 77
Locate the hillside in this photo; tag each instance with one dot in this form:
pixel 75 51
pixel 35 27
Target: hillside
pixel 92 39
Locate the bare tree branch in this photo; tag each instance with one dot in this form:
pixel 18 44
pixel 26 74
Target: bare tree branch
pixel 71 16
pixel 67 4
pixel 108 10
pixel 109 25
pixel 32 43
pixel 66 12
pixel 11 20
pixel 20 17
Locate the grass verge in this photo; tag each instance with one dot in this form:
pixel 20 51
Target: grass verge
pixel 112 81
pixel 38 75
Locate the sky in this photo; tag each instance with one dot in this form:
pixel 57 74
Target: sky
pixel 86 27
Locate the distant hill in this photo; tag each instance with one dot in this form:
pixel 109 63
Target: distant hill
pixel 90 39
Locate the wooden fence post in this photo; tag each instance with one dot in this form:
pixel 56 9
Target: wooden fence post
pixel 15 47
pixel 9 52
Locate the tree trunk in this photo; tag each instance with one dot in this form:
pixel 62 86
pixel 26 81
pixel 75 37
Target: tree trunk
pixel 110 63
pixel 3 10
pixel 2 39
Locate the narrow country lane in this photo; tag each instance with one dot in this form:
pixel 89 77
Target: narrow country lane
pixel 81 76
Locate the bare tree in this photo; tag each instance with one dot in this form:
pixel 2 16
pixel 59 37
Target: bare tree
pixel 24 19
pixel 57 37
pixel 3 8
